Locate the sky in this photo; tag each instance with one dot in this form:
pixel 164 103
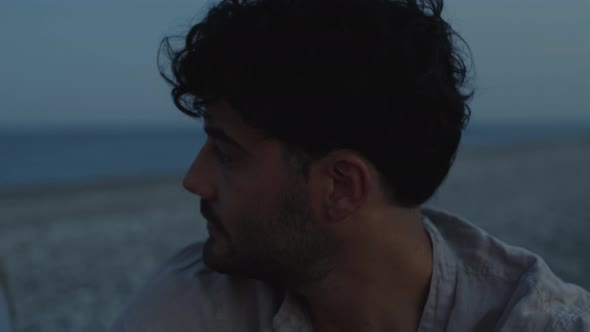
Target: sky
pixel 82 63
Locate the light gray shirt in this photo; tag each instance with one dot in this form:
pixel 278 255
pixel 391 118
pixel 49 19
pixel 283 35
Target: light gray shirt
pixel 478 284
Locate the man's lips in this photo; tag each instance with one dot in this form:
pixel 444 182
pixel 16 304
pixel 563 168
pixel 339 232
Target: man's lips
pixel 212 222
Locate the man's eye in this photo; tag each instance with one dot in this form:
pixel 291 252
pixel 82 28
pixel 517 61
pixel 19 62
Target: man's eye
pixel 222 157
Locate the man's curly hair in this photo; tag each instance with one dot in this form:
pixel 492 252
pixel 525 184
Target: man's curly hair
pixel 384 78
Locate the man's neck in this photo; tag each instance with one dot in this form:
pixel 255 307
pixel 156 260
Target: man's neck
pixel 379 283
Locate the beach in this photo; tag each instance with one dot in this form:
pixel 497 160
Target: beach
pixel 75 254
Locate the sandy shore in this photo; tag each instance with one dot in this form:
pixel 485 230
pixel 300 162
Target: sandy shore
pixel 74 255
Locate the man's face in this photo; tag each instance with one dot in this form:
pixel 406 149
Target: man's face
pixel 258 208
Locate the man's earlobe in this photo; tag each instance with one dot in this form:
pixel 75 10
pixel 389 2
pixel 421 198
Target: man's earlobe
pixel 340 209
pixel 350 185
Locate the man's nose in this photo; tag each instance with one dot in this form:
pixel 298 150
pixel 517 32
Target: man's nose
pixel 199 179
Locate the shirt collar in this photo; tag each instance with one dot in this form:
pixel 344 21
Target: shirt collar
pixel 443 281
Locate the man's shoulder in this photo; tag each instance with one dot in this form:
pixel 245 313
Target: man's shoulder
pixel 500 286
pixel 543 302
pixel 475 252
pixel 185 295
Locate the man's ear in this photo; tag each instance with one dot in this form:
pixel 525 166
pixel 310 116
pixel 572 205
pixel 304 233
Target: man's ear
pixel 349 183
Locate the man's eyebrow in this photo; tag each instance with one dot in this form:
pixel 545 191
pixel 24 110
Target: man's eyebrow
pixel 219 134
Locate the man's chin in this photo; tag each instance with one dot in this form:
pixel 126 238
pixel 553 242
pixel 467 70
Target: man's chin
pixel 220 259
pixel 215 256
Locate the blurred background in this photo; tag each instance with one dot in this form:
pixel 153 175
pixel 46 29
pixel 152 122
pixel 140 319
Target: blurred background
pixel 92 150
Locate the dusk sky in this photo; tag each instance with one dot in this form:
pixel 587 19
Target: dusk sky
pixel 93 63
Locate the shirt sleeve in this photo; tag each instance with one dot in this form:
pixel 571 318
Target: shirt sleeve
pixel 186 296
pixel 171 300
pixel 575 321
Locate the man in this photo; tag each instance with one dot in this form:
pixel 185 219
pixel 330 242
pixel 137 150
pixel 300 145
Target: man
pixel 330 123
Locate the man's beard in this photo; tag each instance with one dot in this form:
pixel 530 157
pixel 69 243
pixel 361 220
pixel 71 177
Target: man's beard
pixel 287 247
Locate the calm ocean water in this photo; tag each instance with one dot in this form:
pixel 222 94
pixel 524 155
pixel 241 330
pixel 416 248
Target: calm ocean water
pixel 49 157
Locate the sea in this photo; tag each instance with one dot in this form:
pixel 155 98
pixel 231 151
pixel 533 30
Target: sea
pixel 49 157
